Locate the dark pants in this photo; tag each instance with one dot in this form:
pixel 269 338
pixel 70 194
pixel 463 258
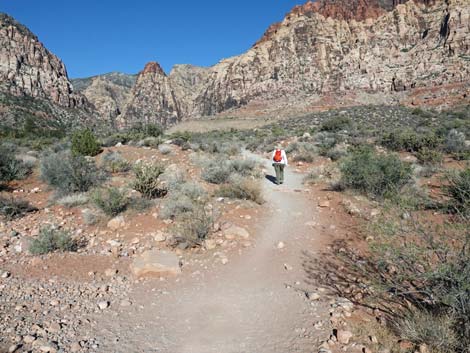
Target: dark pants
pixel 279 169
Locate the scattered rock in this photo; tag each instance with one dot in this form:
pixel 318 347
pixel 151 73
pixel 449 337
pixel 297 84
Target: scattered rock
pixel 343 336
pixel 110 272
pixel 103 304
pixel 235 231
pixel 281 245
pixel 116 223
pixel 210 244
pixel 324 204
pixel 156 262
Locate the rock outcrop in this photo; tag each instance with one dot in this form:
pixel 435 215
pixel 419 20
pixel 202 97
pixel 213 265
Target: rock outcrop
pixel 386 48
pixel 108 93
pixel 27 68
pixel 153 99
pixel 411 47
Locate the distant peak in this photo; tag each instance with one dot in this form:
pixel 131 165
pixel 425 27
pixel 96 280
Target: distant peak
pixel 153 67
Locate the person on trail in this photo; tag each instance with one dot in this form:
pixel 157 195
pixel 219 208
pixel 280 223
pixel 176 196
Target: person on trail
pixel 279 160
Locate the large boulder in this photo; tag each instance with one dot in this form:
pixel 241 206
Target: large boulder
pixel 156 263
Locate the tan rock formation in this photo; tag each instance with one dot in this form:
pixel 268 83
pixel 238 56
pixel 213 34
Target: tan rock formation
pixel 153 99
pixel 28 68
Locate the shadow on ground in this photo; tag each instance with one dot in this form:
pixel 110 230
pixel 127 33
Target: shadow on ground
pixel 271 178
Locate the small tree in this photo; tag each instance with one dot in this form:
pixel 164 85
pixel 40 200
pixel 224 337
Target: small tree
pixel 84 143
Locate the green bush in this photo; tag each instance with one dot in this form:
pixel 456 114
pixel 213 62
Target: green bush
pixel 243 189
pixel 147 180
pixel 113 162
pixel 69 174
pixel 84 143
pixel 428 156
pixel 10 167
pixel 140 131
pixel 11 208
pixel 458 191
pixel 411 141
pixel 374 174
pixel 51 239
pixel 336 124
pixel 111 201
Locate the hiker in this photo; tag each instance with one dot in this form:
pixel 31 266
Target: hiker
pixel 279 160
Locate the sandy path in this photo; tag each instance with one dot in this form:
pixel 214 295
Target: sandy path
pixel 253 304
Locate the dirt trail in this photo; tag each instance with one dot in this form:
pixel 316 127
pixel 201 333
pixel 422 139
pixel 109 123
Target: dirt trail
pixel 253 304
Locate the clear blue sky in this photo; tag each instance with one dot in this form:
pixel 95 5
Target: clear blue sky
pixel 98 36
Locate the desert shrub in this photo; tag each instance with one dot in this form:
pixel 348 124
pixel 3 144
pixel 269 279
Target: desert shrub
pixel 73 200
pixel 409 140
pixel 458 191
pixel 51 239
pixel 414 263
pixel 69 174
pixel 455 142
pixel 428 156
pixel 111 201
pixel 245 167
pixel 195 226
pixel 10 167
pixel 147 180
pixel 11 208
pixel 243 189
pixel 153 142
pixel 84 143
pixel 325 141
pixel 374 174
pixel 435 331
pixel 217 171
pixel 183 199
pixel 140 131
pixel 114 162
pixel 335 153
pixel 307 157
pixel 311 178
pixel 336 124
pixel 89 217
pixel 165 149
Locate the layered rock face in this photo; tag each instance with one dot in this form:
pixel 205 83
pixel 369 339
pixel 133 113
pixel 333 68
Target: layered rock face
pixel 412 46
pixel 27 68
pixel 187 81
pixel 153 99
pixel 108 93
pixel 328 48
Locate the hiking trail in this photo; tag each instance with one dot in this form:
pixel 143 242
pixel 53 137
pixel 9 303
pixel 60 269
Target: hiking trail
pixel 254 304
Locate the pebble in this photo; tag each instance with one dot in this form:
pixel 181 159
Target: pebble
pixel 103 305
pixel 281 245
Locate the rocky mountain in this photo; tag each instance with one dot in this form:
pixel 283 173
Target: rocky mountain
pixel 414 46
pixel 152 99
pixel 407 52
pixel 108 93
pixel 414 52
pixel 33 82
pixel 28 68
